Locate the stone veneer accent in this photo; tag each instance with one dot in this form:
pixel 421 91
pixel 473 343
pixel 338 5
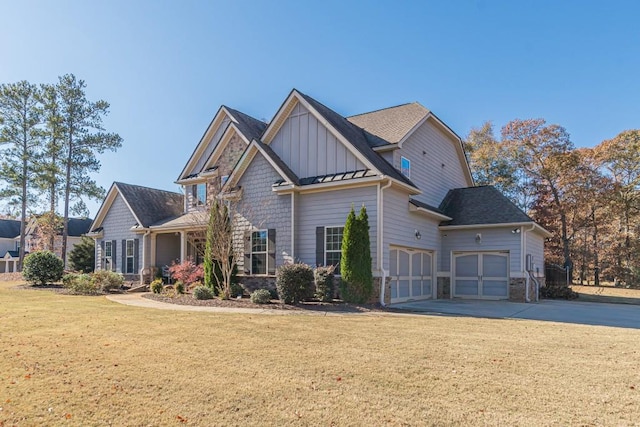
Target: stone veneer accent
pixel 375 296
pixel 444 288
pixel 517 289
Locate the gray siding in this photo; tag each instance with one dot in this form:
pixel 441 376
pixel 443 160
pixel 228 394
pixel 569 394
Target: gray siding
pixel 116 225
pixel 310 149
pixel 535 247
pixel 167 248
pixel 400 226
pixel 493 239
pixel 261 208
pixel 427 170
pixel 331 209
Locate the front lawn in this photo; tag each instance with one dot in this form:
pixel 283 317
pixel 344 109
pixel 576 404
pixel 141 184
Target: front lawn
pixel 75 360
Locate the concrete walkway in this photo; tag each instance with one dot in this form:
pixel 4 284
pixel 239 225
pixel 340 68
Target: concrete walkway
pixel 584 313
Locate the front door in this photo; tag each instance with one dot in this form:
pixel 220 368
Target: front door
pixel 481 275
pixel 411 274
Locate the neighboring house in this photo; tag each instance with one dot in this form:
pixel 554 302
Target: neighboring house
pixel 9 248
pixel 433 234
pixel 34 240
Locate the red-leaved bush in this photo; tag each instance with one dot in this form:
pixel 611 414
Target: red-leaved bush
pixel 186 272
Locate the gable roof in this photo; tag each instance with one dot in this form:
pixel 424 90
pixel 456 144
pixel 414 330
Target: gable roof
pixel 393 123
pixel 9 228
pixel 251 127
pixel 480 205
pixel 147 205
pixel 358 138
pixel 150 205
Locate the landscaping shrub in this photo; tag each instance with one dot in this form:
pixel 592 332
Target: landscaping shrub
pixel 81 284
pixel 156 286
pixel 106 280
pixel 323 277
pixel 178 287
pixel 186 272
pixel 355 263
pixel 83 255
pixel 294 282
pixel 261 296
pixel 557 292
pixel 42 267
pixel 202 292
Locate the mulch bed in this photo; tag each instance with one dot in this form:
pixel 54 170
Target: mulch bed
pixel 274 305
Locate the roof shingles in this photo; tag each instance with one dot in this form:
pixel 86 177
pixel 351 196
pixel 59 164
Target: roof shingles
pixel 480 205
pixel 151 205
pixel 391 124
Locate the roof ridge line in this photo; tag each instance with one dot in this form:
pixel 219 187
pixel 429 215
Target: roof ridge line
pixel 385 108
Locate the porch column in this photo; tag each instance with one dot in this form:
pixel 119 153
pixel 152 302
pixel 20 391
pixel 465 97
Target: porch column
pixel 152 248
pixel 183 246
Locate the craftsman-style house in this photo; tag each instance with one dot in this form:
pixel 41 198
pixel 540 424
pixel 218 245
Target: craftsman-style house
pixel 433 233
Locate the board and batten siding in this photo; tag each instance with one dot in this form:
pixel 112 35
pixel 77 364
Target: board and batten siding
pixel 116 226
pixel 535 247
pixel 211 144
pixel 262 209
pixel 310 149
pixel 330 209
pixel 493 239
pixel 435 165
pixel 400 226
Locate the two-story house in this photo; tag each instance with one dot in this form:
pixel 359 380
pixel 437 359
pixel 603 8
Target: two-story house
pixel 433 234
pixel 9 245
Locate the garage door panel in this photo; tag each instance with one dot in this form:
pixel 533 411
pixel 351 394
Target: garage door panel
pixel 494 265
pixel 393 263
pixel 403 288
pixel 495 288
pixel 467 265
pixel 466 287
pixel 426 287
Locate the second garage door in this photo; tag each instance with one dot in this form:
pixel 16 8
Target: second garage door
pixel 481 275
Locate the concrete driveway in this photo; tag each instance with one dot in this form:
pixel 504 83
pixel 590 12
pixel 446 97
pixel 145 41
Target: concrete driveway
pixel 584 313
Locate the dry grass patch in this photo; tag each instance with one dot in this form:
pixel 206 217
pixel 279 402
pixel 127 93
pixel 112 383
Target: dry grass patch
pixel 86 361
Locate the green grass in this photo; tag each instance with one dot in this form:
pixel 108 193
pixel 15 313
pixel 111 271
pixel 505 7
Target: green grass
pixel 73 360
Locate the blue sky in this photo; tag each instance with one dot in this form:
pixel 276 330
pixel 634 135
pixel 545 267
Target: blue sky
pixel 166 66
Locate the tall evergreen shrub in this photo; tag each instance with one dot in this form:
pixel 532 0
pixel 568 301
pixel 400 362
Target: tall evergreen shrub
pixel 355 263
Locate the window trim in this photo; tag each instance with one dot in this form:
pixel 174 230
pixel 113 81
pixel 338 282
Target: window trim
pixel 195 199
pixel 408 169
pixel 265 253
pixel 108 248
pixel 132 256
pixel 223 180
pixel 326 243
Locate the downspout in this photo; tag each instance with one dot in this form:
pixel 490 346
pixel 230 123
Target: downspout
pixel 293 226
pixel 384 272
pixel 144 246
pixel 529 273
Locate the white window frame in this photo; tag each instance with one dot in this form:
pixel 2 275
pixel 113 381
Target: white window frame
pixel 129 257
pixel 265 252
pixel 195 194
pixel 405 171
pixel 326 243
pixel 108 259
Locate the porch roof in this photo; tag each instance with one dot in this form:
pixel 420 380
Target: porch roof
pixel 187 221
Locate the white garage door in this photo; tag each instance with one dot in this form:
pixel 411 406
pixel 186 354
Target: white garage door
pixel 481 275
pixel 411 272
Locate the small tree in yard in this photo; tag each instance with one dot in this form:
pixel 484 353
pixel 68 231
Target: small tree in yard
pixel 355 262
pixel 219 250
pixel 83 256
pixel 42 267
pixel 186 272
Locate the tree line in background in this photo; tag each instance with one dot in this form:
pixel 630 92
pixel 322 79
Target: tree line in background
pixel 50 135
pixel 589 198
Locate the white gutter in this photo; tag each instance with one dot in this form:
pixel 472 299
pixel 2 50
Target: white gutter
pixel 144 245
pixel 383 279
